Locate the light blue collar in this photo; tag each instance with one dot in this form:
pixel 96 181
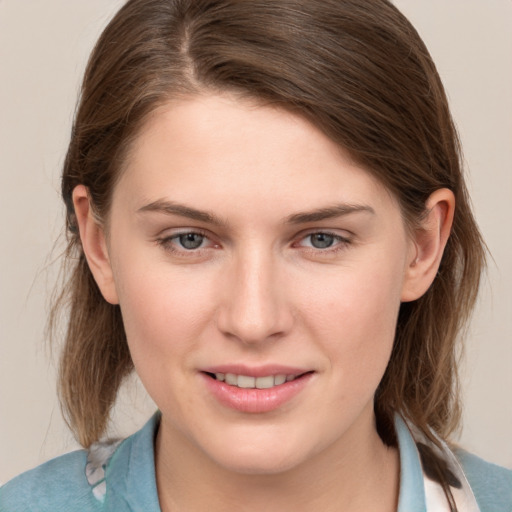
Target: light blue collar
pixel 130 475
pixel 412 490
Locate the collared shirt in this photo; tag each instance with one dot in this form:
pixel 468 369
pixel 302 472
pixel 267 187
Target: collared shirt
pixel 120 477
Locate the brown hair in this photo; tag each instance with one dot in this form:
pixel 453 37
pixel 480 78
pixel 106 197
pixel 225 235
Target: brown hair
pixel 357 70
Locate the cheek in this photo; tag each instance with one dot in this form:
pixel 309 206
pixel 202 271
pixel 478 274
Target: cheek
pixel 163 310
pixel 364 298
pixel 353 316
pixel 164 316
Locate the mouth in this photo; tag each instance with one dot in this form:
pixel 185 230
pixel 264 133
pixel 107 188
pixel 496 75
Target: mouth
pixel 256 389
pixel 249 382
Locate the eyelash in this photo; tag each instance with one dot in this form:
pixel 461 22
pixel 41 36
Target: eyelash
pixel 339 243
pixel 168 245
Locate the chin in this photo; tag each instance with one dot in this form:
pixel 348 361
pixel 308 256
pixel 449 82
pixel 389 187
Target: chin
pixel 266 465
pixel 271 456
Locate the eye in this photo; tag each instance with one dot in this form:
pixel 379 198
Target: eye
pixel 185 242
pixel 323 240
pixel 190 241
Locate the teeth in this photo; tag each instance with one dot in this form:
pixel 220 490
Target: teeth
pixel 247 382
pixel 266 382
pixel 231 379
pixel 281 379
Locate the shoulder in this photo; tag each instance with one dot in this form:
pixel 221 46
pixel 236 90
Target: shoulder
pixel 491 484
pixel 102 478
pixel 58 485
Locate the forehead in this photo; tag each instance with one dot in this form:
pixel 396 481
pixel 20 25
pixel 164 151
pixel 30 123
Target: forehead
pixel 216 147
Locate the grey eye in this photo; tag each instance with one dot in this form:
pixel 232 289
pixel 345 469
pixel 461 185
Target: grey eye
pixel 321 240
pixel 191 240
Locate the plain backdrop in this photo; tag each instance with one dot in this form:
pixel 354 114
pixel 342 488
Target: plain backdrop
pixel 44 45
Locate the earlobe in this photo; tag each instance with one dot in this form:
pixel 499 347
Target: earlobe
pixel 428 244
pixel 94 244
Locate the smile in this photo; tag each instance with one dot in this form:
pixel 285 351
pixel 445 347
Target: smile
pixel 268 390
pixel 248 382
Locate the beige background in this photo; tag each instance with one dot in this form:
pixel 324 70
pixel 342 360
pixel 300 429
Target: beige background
pixel 43 47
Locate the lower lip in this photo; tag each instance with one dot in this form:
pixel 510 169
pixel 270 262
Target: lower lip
pixel 256 400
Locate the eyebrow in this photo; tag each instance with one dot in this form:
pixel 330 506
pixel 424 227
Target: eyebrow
pixel 172 208
pixel 330 212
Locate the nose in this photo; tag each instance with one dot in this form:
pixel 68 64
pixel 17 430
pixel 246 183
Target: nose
pixel 255 307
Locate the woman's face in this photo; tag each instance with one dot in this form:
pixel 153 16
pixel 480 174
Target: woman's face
pixel 244 243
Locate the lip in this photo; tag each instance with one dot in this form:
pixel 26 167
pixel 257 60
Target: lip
pixel 255 401
pixel 256 371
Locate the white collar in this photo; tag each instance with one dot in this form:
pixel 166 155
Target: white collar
pixel 430 492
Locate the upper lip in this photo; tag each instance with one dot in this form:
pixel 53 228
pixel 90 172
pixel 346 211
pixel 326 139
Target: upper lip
pixel 256 371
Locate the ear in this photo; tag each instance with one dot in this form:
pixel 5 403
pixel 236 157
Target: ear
pixel 94 244
pixel 428 243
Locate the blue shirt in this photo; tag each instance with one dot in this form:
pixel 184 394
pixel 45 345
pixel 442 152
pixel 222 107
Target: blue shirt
pixel 120 477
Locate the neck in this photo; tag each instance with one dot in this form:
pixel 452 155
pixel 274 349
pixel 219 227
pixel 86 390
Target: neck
pixel 357 474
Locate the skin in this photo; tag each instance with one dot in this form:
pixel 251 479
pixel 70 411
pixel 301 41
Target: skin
pixel 260 291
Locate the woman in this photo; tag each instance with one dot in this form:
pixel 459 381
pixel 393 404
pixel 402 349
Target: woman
pixel 268 221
